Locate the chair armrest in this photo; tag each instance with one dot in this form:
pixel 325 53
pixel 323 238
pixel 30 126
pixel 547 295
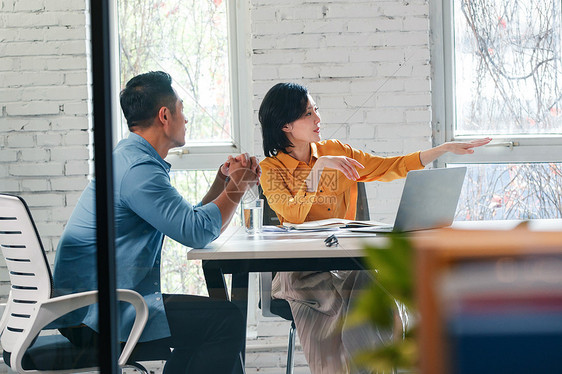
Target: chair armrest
pixel 51 309
pixel 45 313
pixel 6 314
pixel 141 316
pixel 265 294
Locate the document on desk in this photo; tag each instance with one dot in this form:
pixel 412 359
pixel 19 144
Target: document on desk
pixel 332 223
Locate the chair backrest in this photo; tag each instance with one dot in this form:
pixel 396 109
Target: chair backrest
pixel 29 271
pixel 269 216
pixel 362 213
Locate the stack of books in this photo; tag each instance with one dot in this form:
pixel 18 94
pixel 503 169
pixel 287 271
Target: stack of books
pixel 504 315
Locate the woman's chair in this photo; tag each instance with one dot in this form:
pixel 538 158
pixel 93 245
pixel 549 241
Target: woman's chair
pixel 31 307
pixel 271 307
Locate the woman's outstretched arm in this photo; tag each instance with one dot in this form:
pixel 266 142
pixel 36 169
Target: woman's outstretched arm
pixel 458 148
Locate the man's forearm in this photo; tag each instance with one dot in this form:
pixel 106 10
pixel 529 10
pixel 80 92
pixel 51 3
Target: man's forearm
pixel 216 189
pixel 241 177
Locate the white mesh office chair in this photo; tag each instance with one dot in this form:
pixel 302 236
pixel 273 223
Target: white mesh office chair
pixel 31 306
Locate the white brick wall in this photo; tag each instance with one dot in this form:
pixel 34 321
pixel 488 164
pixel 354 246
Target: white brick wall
pixel 366 63
pixel 44 94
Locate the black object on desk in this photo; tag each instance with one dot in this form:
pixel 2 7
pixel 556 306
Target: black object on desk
pixel 331 241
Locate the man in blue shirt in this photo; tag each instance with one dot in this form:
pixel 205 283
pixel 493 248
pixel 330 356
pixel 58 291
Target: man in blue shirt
pixel 206 334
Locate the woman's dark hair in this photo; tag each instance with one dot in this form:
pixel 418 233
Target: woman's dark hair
pixel 284 103
pixel 144 95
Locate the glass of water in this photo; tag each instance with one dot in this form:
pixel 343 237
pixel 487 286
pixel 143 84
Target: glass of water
pixel 252 216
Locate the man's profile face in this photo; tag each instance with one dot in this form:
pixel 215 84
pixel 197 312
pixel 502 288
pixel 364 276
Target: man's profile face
pixel 177 125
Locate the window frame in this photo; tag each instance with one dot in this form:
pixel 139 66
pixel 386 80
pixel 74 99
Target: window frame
pixel 209 156
pixel 504 148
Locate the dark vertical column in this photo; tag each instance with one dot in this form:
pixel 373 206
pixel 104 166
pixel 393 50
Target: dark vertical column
pixel 216 285
pixel 108 352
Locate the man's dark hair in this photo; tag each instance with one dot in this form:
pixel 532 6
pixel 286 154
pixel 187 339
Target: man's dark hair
pixel 284 103
pixel 144 95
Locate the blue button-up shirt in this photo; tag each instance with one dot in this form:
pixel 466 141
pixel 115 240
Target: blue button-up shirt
pixel 147 207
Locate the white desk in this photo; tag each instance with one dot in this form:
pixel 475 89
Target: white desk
pixel 235 244
pixel 534 225
pixel 238 254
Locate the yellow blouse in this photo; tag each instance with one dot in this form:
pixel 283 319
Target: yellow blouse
pixel 283 182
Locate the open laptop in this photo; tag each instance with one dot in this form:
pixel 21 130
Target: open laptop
pixel 429 200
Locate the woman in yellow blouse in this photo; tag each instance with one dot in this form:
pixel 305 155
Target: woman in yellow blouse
pixel 306 179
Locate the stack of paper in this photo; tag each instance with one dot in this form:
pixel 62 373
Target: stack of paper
pixel 332 223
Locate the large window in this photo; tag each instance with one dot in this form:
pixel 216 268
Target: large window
pixel 189 40
pixel 511 191
pixel 179 275
pixel 201 45
pixel 498 73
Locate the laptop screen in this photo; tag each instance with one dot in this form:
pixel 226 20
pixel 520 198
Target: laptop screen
pixel 429 199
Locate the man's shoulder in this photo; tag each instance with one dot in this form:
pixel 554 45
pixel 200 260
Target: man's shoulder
pixel 132 165
pixel 130 154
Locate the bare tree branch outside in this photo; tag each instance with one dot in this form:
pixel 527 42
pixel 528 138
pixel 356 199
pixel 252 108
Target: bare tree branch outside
pixel 511 191
pixel 188 40
pixel 508 81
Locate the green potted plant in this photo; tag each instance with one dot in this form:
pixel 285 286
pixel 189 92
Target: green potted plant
pixel 390 294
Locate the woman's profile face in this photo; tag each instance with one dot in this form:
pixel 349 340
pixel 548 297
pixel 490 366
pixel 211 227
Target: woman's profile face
pixel 306 129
